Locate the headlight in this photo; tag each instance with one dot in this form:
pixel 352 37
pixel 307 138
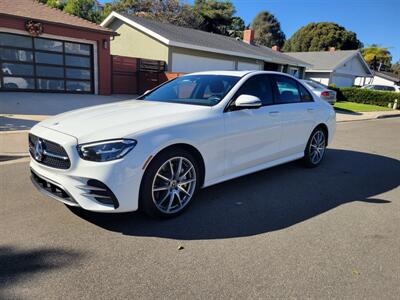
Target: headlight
pixel 106 150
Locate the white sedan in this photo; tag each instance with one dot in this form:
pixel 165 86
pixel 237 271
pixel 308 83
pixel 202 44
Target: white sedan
pixel 200 129
pixel 321 91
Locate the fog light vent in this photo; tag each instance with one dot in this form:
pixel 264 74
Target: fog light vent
pixel 100 192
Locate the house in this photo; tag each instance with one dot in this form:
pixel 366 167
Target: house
pixel 340 67
pixel 45 49
pixel 187 50
pixel 385 78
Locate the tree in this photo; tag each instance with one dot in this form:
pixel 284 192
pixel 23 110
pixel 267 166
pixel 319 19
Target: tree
pixel 267 30
pixel 216 15
pixel 167 11
pixel 236 27
pixel 84 9
pixel 53 3
pixel 396 68
pixel 320 37
pixel 375 55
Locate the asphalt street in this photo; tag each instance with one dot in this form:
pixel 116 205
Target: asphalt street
pixel 287 232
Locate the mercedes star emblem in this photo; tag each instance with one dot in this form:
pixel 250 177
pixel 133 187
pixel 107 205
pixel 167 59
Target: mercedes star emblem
pixel 39 150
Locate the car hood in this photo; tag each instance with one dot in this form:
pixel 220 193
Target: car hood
pixel 122 119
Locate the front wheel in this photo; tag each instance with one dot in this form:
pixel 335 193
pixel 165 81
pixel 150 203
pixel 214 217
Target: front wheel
pixel 169 184
pixel 315 149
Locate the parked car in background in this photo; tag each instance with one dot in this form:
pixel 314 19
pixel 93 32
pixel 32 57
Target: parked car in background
pixel 197 130
pixel 380 87
pixel 321 91
pixel 12 82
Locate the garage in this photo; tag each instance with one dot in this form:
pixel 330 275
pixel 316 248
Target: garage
pixel 40 64
pixel 46 50
pixel 245 66
pixel 191 63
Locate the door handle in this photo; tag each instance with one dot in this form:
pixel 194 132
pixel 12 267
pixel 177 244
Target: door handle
pixel 273 113
pixel 310 110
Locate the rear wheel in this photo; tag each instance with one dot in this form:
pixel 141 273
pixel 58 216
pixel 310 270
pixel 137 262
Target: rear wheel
pixel 315 149
pixel 169 184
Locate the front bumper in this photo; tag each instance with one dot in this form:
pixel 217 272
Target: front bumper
pixel 96 186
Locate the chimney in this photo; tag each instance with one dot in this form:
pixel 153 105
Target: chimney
pixel 332 49
pixel 248 36
pixel 276 48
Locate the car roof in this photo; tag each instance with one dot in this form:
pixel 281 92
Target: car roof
pixel 237 73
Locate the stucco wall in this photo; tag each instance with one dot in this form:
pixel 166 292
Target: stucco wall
pixel 383 81
pixel 133 43
pixel 341 80
pixel 353 67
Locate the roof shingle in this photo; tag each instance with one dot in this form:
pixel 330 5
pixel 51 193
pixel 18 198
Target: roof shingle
pixel 323 60
pixel 37 11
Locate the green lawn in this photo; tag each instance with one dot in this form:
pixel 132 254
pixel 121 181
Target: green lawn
pixel 358 107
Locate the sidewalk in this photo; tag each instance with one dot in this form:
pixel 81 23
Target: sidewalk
pixel 361 116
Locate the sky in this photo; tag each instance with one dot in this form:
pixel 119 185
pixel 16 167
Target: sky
pixel 374 21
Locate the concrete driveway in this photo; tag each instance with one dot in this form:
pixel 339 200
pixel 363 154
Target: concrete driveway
pixel 20 111
pixel 287 232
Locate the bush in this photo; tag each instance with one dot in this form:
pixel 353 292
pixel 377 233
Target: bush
pixel 366 96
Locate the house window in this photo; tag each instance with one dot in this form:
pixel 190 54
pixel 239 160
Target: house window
pixel 41 64
pixel 294 72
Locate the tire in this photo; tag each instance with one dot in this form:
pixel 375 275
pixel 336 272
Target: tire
pixel 12 86
pixel 316 148
pixel 164 193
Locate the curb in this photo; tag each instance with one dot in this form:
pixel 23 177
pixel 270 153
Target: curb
pixel 382 116
pixel 388 116
pixel 14 131
pixel 14 154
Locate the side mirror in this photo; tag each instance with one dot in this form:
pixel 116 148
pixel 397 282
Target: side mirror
pixel 248 101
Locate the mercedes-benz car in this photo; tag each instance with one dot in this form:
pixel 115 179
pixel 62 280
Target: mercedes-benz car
pixel 155 152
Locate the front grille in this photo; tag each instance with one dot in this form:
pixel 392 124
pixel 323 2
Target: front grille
pixel 51 188
pixel 97 190
pixel 53 155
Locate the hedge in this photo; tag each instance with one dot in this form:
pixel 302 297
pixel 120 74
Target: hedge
pixel 365 96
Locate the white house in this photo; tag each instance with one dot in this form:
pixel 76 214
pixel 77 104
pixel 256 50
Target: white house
pixel 340 67
pixel 379 78
pixel 385 78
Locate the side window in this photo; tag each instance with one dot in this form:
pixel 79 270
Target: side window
pixel 305 95
pixel 259 86
pixel 286 90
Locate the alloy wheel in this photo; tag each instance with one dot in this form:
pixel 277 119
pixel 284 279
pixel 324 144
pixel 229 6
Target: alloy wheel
pixel 317 147
pixel 174 185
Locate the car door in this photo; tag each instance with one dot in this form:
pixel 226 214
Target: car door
pixel 252 136
pixel 297 109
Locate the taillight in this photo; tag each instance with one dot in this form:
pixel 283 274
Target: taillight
pixel 325 94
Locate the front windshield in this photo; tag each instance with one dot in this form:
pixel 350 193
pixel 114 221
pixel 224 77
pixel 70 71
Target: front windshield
pixel 194 89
